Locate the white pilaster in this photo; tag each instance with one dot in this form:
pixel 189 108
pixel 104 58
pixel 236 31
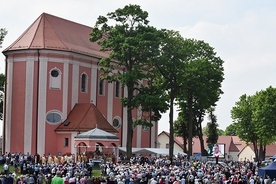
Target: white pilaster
pixel 8 105
pixel 110 90
pixel 139 128
pixel 28 105
pixel 73 148
pixel 75 84
pixel 94 79
pixel 42 89
pixel 65 89
pixel 139 136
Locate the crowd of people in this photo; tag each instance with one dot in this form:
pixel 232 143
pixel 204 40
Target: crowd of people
pixel 31 169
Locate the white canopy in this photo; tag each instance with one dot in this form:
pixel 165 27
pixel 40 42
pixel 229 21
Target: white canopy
pixel 158 151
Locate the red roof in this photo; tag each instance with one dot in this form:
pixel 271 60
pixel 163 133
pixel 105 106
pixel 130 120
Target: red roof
pixel 54 33
pixel 84 117
pixel 177 140
pixel 270 149
pixel 227 140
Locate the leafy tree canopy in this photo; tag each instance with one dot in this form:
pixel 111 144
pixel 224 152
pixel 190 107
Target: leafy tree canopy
pixel 3 33
pixel 254 118
pixel 201 83
pixel 231 130
pixel 132 46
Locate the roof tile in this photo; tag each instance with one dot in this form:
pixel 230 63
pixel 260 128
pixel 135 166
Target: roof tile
pixel 51 32
pixel 84 117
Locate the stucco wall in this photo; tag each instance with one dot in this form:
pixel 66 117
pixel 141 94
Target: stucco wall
pixel 247 154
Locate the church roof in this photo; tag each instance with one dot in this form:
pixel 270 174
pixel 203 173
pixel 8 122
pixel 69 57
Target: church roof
pixel 84 117
pixel 97 133
pixel 54 33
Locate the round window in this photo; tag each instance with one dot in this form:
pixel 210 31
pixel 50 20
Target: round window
pixel 53 117
pixel 116 123
pixel 54 73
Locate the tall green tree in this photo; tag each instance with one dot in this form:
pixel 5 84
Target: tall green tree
pixel 231 130
pixel 3 33
pixel 242 114
pixel 200 87
pixel 254 118
pixel 2 85
pixel 174 52
pixel 220 132
pixel 131 44
pixel 265 119
pixel 181 130
pixel 212 130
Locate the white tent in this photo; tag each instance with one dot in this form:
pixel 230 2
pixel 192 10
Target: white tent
pixel 147 151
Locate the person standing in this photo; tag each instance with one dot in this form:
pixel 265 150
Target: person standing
pixel 57 179
pixel 6 168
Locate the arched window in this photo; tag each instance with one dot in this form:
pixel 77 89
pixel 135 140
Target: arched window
pixel 101 87
pixel 117 89
pixel 84 82
pixel 55 79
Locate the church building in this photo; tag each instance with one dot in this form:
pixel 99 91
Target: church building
pixel 54 93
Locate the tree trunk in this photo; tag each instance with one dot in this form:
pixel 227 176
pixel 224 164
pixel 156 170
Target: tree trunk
pixel 200 136
pixel 129 125
pixel 184 144
pixel 190 128
pixel 129 135
pixel 171 141
pixel 255 146
pixel 262 151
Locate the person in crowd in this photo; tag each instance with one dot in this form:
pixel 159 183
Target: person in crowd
pixel 57 179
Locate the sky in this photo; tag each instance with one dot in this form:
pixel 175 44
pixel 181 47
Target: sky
pixel 243 34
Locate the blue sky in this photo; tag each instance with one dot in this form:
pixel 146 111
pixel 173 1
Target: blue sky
pixel 242 33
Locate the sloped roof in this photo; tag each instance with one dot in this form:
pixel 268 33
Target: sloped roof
pixel 54 33
pixel 159 151
pixel 97 133
pixel 229 146
pixel 227 140
pixel 84 117
pixel 178 140
pixel 240 144
pixel 270 149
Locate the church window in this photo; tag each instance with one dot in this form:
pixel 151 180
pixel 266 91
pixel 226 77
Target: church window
pixel 55 79
pixel 84 82
pixel 101 87
pixel 53 117
pixel 117 89
pixel 66 142
pixel 116 123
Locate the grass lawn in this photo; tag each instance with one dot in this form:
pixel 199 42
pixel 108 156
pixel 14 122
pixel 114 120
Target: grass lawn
pixel 10 167
pixel 96 173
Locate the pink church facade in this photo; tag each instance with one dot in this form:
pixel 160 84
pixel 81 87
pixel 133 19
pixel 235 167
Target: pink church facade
pixel 51 68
